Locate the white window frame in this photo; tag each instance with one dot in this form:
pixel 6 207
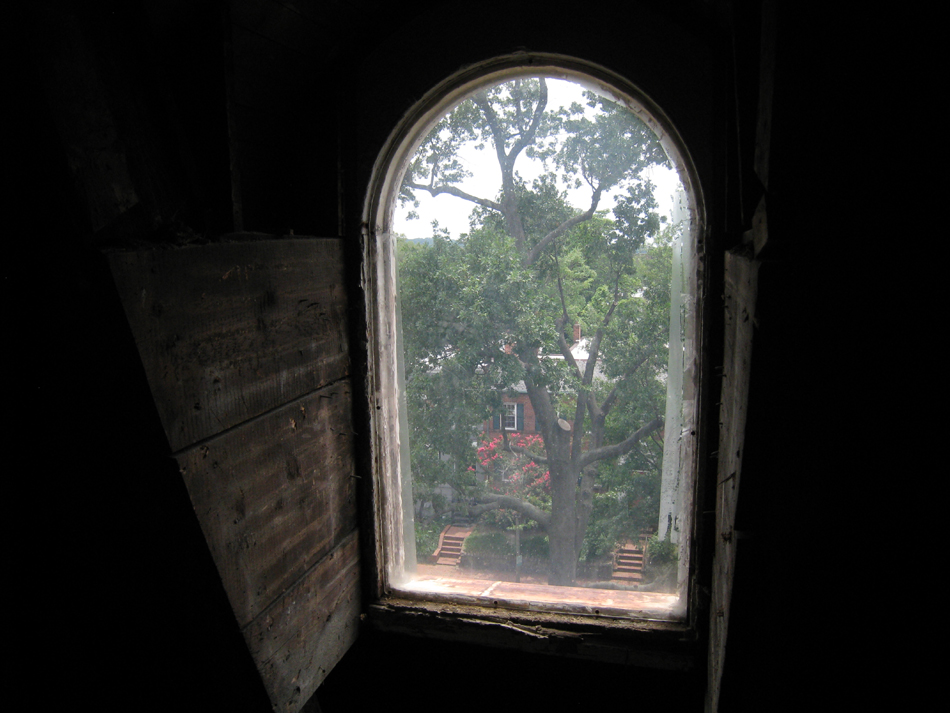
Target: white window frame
pixel 511 411
pixel 393 534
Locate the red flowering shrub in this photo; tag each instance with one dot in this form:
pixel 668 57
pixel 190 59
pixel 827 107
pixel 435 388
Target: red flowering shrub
pixel 512 470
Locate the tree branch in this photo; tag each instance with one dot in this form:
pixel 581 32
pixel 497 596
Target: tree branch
pixel 536 251
pixel 566 350
pixel 491 501
pixel 577 442
pixel 498 136
pixel 524 452
pixel 619 449
pixel 562 321
pixel 583 395
pixel 614 393
pixel 544 410
pixel 528 136
pixel 457 192
pixel 593 352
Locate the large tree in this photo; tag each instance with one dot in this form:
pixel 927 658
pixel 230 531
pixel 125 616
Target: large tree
pixel 497 306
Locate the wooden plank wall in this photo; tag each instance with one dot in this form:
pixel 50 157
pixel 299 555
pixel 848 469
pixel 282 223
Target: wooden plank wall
pixel 741 289
pixel 245 348
pixel 236 329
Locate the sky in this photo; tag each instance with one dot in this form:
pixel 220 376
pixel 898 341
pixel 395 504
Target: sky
pixel 453 213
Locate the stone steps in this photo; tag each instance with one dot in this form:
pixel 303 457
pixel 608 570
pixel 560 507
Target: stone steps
pixel 628 561
pixel 449 550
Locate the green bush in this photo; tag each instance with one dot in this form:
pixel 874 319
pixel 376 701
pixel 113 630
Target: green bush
pixel 488 543
pixel 536 546
pixel 427 539
pixel 661 552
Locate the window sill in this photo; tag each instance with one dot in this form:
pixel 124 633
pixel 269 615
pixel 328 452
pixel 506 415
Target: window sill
pixel 544 598
pixel 611 636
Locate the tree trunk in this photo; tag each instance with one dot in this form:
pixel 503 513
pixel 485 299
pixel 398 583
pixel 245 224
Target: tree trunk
pixel 561 533
pixel 585 505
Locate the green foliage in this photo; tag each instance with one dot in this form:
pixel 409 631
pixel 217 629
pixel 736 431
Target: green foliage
pixel 605 147
pixel 629 502
pixel 536 546
pixel 427 538
pixel 496 306
pixel 661 551
pixel 488 544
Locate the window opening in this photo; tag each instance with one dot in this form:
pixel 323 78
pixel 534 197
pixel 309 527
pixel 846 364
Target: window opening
pixel 536 247
pixel 511 417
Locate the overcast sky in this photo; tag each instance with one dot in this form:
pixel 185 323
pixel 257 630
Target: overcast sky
pixel 453 213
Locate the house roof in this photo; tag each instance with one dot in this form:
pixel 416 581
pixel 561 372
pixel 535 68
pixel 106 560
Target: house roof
pixel 580 350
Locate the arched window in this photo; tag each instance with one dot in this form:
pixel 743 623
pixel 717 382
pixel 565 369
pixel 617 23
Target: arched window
pixel 533 229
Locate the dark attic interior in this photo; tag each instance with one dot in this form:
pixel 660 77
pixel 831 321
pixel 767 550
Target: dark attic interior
pixel 193 178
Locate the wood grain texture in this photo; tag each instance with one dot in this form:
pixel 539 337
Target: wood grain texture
pixel 245 349
pixel 653 644
pixel 229 331
pixel 741 288
pixel 301 637
pixel 275 495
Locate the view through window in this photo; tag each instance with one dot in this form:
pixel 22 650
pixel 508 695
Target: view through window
pixel 543 249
